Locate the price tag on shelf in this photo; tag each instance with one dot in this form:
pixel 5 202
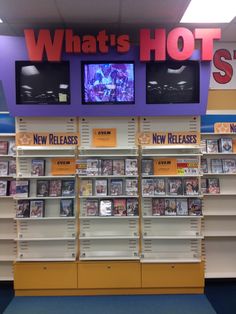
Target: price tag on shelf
pixel 62 166
pixel 104 138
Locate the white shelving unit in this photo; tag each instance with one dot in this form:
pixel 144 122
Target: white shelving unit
pixel 48 238
pixel 220 218
pixel 7 224
pixel 170 239
pixel 108 237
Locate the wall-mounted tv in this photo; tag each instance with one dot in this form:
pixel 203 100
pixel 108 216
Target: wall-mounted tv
pixel 42 82
pixel 174 82
pixel 108 82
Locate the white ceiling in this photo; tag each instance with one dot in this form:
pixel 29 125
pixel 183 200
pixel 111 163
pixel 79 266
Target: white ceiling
pixel 90 16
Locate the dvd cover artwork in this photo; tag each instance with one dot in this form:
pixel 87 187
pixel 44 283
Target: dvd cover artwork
pixel 132 207
pixel 212 146
pixel 213 185
pixel 92 207
pixel 3 188
pixel 229 165
pixel 175 186
pixel 55 188
pixel 101 187
pixel 119 207
pixel 158 206
pixel 170 207
pixel 43 188
pixel 105 208
pixel 67 208
pixel 159 186
pixel 118 167
pixel 216 166
pixel 86 187
pixel 195 207
pixel 131 187
pixel 106 167
pixel 116 187
pixel 181 207
pixel 38 167
pixel 23 209
pixel 147 187
pixel 226 145
pixel 191 186
pixel 36 209
pixel 3 168
pixel 147 167
pixel 68 188
pixel 131 167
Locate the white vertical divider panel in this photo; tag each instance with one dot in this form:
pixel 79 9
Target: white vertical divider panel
pixel 8 229
pixel 220 218
pixel 170 238
pixel 50 238
pixel 113 237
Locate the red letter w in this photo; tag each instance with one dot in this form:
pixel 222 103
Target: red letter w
pixel 36 49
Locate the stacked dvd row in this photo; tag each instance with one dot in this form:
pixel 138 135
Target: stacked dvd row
pixel 114 207
pixel 111 187
pixel 7 187
pixel 170 186
pixel 8 147
pixel 218 165
pixel 36 208
pixel 107 167
pixel 176 207
pixel 222 145
pixel 7 167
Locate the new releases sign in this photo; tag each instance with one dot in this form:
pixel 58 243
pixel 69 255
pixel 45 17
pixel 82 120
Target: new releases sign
pixel 160 42
pixel 46 139
pixel 170 138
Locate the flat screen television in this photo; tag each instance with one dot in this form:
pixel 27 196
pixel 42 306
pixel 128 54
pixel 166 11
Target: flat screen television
pixel 42 82
pixel 173 82
pixel 108 82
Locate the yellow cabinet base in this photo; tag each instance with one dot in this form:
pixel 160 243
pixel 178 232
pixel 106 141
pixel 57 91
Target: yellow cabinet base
pixel 106 278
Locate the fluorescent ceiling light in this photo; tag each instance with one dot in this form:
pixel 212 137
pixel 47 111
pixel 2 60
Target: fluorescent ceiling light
pixel 63 86
pixel 1 21
pixel 26 87
pixel 209 11
pixel 153 82
pixel 181 82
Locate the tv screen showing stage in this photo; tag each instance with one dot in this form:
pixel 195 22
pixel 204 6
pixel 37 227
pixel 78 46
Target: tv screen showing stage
pixel 174 82
pixel 42 82
pixel 108 82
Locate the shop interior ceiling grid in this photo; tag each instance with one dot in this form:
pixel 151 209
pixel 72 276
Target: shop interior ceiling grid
pixel 126 128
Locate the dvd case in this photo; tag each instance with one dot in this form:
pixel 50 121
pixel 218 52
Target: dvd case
pixel 229 165
pixel 43 188
pixel 191 186
pixel 170 207
pixel 204 165
pixel 131 187
pixel 3 188
pixel 118 166
pixel 195 207
pixel 11 147
pixel 132 206
pixel 119 207
pixel 226 145
pixel 175 186
pixel 55 187
pixel 203 185
pixel 159 186
pixel 91 207
pixel 181 207
pixel 93 167
pixel 105 208
pixel 116 187
pixel 147 167
pixel 213 185
pixel 37 167
pixel 12 188
pixel 36 208
pixel 3 147
pixel 22 188
pixel 106 167
pixel 12 167
pixel 3 168
pixel 81 167
pixel 67 208
pixel 68 188
pixel 147 187
pixel 212 146
pixel 203 146
pixel 216 166
pixel 131 167
pixel 158 206
pixel 86 187
pixel 23 209
pixel 101 187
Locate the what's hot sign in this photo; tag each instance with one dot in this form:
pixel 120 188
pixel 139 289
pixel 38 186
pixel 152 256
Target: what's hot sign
pixel 177 44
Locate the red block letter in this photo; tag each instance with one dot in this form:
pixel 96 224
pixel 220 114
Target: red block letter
pixel 36 49
pixel 222 66
pixel 187 43
pixel 157 44
pixel 207 36
pixel 73 43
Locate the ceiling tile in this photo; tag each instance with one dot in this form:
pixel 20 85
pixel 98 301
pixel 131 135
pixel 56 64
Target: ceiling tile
pixel 89 11
pixel 152 11
pixel 15 11
pixel 6 29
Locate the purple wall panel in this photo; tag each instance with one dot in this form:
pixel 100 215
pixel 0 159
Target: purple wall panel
pixel 14 48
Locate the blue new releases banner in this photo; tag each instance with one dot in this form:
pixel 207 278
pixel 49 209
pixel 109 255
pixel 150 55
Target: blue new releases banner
pixel 208 121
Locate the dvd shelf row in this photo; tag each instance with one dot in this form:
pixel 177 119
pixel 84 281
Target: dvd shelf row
pixel 222 145
pixel 7 187
pixel 36 208
pixel 8 147
pixel 112 187
pixel 107 167
pixel 218 165
pixel 170 186
pixel 176 207
pixel 45 188
pixel 210 185
pixel 7 167
pixel 115 207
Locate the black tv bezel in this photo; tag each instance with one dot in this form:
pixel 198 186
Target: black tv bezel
pixel 83 63
pixel 198 78
pixel 20 63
